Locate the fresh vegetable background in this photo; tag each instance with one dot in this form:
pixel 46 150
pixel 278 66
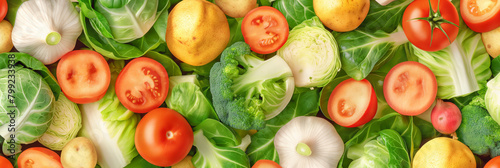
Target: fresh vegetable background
pixel 249 83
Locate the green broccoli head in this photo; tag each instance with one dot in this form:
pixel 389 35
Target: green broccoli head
pixel 247 90
pixel 479 131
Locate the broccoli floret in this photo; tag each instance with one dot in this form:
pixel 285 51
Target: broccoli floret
pixel 247 90
pixel 479 131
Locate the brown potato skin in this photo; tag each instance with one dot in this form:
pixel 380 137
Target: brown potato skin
pixel 197 32
pixel 184 163
pixel 80 152
pixel 490 41
pixel 5 36
pixel 341 15
pixel 236 8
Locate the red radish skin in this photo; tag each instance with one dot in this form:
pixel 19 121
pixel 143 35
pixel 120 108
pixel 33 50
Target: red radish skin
pixel 446 117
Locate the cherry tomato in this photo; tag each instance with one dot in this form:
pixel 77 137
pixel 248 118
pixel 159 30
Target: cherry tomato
pixel 5 163
pixel 3 9
pixel 480 15
pixel 142 85
pixel 266 164
pixel 265 29
pixel 163 137
pixel 418 31
pixel 39 157
pixel 352 103
pixel 410 88
pixel 83 75
pixel 493 163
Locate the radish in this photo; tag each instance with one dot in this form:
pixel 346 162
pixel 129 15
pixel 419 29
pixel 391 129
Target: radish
pixel 446 117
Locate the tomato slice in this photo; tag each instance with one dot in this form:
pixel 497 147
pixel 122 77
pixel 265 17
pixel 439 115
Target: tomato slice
pixel 3 9
pixel 493 163
pixel 39 157
pixel 83 75
pixel 266 164
pixel 410 88
pixel 142 85
pixel 265 29
pixel 4 163
pixel 481 15
pixel 163 137
pixel 352 103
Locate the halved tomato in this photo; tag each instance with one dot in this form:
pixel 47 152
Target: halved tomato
pixel 4 163
pixel 352 103
pixel 410 88
pixel 481 15
pixel 266 164
pixel 264 29
pixel 39 157
pixel 83 75
pixel 142 85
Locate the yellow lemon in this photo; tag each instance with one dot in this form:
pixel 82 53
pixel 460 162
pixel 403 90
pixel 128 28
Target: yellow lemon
pixel 197 32
pixel 444 152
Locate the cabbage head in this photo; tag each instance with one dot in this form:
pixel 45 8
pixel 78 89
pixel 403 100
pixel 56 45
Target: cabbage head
pixel 492 98
pixel 312 54
pixel 128 20
pixel 66 123
pixel 27 117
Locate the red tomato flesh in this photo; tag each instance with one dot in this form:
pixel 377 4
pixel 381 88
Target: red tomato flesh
pixel 265 29
pixel 83 75
pixel 4 163
pixel 352 103
pixel 480 15
pixel 410 88
pixel 163 137
pixel 39 157
pixel 493 163
pixel 142 85
pixel 266 164
pixel 3 9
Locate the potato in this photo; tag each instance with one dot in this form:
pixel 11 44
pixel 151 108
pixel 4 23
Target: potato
pixel 491 43
pixel 341 15
pixel 184 163
pixel 79 153
pixel 5 36
pixel 236 8
pixel 197 32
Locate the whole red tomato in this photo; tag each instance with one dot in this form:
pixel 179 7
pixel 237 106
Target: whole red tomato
pixel 3 9
pixel 431 30
pixel 493 163
pixel 163 137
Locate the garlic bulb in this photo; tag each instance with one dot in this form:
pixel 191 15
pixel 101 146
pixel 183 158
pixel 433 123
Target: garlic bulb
pixel 46 29
pixel 308 141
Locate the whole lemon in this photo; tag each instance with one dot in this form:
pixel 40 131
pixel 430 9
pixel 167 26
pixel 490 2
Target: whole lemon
pixel 197 32
pixel 444 152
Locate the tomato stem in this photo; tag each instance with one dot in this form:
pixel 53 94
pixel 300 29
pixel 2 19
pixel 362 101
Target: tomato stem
pixel 435 20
